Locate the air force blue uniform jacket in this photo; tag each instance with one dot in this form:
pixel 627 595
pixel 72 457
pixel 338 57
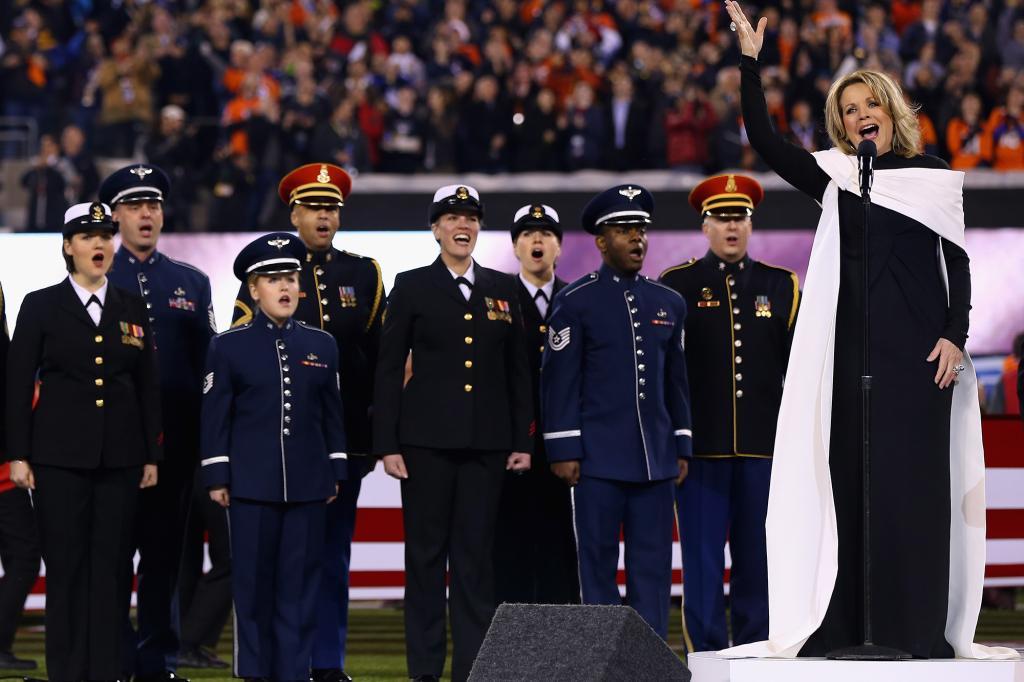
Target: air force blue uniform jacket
pixel 272 416
pixel 613 379
pixel 180 310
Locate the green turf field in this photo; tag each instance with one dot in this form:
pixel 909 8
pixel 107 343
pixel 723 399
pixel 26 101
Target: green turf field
pixel 377 652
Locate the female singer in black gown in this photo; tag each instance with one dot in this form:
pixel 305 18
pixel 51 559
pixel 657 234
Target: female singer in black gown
pixel 915 349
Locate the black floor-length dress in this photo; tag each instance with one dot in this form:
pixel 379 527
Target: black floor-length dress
pixel 910 415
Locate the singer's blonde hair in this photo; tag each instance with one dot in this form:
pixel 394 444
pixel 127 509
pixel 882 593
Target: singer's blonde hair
pixel 906 132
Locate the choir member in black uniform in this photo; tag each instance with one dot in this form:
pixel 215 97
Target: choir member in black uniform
pixel 91 443
pixel 452 431
pixel 341 293
pixel 738 332
pixel 535 551
pixel 19 542
pixel 916 351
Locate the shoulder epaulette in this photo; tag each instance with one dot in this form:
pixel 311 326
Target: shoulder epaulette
pixel 583 281
pixel 681 266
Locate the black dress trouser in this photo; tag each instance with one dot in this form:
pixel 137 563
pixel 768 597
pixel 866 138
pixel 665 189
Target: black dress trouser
pixel 449 507
pixel 19 554
pixel 86 518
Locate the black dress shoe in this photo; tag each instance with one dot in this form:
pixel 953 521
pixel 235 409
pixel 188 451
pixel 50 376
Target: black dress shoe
pixel 329 675
pixel 165 676
pixel 211 658
pixel 9 661
pixel 192 658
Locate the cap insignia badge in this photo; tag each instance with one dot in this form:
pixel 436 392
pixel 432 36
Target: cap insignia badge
pixel 97 212
pixel 538 212
pixel 629 192
pixel 279 243
pixel 141 171
pixel 730 184
pixel 324 177
pixel 462 193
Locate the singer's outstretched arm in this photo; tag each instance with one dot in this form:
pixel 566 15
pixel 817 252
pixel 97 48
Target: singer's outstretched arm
pixel 794 164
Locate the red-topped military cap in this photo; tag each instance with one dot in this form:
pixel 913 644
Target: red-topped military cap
pixel 315 184
pixel 727 195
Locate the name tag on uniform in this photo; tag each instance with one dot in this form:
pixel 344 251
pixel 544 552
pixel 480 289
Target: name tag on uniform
pixel 348 297
pixel 131 335
pixel 497 309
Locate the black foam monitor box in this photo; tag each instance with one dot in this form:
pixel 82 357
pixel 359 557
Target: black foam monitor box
pixel 536 642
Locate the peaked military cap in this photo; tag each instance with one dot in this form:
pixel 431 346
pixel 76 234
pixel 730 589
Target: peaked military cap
pixel 138 182
pixel 621 205
pixel 270 254
pixel 455 199
pixel 536 216
pixel 727 195
pixel 315 184
pixel 88 217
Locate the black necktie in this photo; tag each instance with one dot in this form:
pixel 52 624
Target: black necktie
pixel 539 295
pixel 463 280
pixel 94 299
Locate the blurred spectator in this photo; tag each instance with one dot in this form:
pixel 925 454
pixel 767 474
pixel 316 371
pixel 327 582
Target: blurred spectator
pixel 1011 38
pixel 125 81
pixel 232 193
pixel 299 116
pixel 22 76
pixel 586 130
pixel 539 141
pixel 402 143
pixel 173 147
pixel 964 134
pixel 1003 142
pixel 805 130
pixel 46 189
pixel 482 133
pixel 688 126
pixel 340 140
pixel 1008 380
pixel 927 29
pixel 628 124
pixel 78 166
pixel 439 147
pixel 929 136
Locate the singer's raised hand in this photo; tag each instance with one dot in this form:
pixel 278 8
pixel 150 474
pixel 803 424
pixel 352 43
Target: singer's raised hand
pixel 750 39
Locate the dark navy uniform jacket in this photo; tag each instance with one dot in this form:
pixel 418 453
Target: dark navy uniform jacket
pixel 738 335
pixel 343 294
pixel 99 399
pixel 180 309
pixel 613 380
pixel 272 417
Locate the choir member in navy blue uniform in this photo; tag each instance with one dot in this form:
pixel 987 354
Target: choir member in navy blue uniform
pixel 738 333
pixel 535 552
pixel 452 431
pixel 90 444
pixel 19 541
pixel 273 447
pixel 615 406
pixel 180 309
pixel 343 294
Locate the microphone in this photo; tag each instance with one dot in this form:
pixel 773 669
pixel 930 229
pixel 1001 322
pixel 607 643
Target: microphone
pixel 866 153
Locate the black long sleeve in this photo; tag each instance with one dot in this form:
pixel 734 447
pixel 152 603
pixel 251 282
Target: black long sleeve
pixel 958 272
pixel 794 164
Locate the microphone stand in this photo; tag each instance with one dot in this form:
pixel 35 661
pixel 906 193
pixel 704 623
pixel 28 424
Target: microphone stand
pixel 868 650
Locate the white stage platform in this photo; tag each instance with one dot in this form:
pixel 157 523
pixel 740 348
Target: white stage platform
pixel 708 666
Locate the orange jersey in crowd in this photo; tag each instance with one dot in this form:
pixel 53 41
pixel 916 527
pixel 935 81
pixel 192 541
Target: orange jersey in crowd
pixel 1003 143
pixel 964 144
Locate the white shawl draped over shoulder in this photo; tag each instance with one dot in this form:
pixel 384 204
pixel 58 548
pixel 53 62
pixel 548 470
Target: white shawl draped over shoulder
pixel 801 524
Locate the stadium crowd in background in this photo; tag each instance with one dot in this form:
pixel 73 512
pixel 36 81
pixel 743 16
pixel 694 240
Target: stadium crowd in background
pixel 226 94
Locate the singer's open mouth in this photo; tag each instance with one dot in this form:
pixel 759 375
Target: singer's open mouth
pixel 869 132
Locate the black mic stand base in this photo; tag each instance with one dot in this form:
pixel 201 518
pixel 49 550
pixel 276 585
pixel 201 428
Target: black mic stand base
pixel 868 652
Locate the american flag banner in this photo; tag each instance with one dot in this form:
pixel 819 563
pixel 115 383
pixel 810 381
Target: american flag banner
pixel 378 560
